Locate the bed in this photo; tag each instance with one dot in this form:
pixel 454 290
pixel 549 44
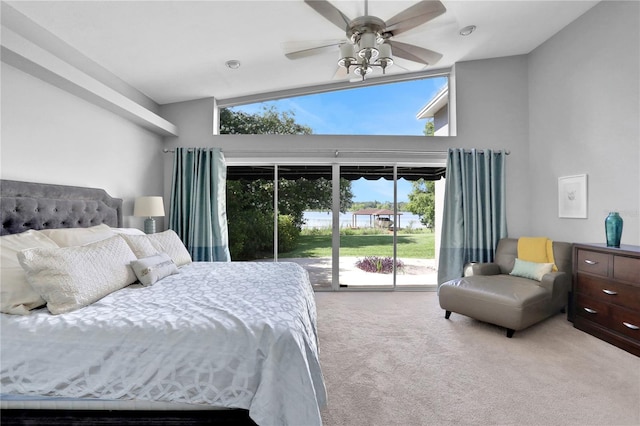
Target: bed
pixel 199 342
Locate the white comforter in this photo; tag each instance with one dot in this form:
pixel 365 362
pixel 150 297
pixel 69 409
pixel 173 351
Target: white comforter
pixel 238 334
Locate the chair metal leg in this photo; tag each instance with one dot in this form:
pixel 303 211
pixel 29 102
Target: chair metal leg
pixel 447 314
pixel 510 333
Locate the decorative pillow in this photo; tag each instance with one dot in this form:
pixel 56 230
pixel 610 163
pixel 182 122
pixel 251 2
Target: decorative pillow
pixel 127 231
pixel 142 245
pixel 153 268
pixel 162 242
pixel 531 270
pixel 172 245
pixel 16 295
pixel 69 278
pixel 68 237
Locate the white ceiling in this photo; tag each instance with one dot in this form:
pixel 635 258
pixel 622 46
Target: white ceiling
pixel 176 50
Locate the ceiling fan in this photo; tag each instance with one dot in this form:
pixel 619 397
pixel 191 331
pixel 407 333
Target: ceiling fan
pixel 369 43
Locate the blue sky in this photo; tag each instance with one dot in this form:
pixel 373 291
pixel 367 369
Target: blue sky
pixel 388 109
pixel 379 190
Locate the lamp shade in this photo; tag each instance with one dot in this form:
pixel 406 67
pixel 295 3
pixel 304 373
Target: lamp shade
pixel 148 207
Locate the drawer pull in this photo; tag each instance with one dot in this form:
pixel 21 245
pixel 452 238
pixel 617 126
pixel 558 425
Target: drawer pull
pixel 591 311
pixel 609 292
pixel 590 262
pixel 631 326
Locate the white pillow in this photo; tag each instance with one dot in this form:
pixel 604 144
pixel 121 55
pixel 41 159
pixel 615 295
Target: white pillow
pixel 67 237
pixel 69 278
pixel 171 244
pixel 141 245
pixel 153 268
pixel 16 295
pixel 162 242
pixel 127 231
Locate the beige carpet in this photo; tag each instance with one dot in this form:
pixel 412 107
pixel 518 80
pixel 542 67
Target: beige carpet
pixel 393 359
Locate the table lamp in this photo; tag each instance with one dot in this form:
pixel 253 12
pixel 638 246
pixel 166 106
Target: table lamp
pixel 149 207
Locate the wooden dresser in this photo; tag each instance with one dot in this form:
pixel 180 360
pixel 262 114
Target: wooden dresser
pixel 606 293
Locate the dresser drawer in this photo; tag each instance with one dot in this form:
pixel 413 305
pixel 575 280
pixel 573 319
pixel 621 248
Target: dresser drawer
pixel 593 310
pixel 612 317
pixel 607 291
pixel 626 269
pixel 593 262
pixel 626 322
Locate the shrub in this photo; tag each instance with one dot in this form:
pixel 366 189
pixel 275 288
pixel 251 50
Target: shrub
pixel 288 233
pixel 381 265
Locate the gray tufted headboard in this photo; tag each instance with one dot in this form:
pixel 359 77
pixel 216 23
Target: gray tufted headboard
pixel 27 205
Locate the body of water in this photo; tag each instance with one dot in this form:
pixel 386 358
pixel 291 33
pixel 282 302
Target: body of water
pixel 323 220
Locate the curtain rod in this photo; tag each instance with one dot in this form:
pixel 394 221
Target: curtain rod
pixel 337 152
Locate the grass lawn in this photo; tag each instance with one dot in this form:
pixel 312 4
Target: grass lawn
pixel 417 245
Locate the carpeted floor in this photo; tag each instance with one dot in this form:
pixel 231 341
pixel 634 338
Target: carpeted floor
pixel 393 359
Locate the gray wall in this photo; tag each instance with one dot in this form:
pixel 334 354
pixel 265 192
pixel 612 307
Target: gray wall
pixel 584 114
pixel 492 113
pixel 51 136
pixel 441 118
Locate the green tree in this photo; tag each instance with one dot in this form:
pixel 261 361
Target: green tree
pixel 429 128
pixel 269 122
pixel 422 201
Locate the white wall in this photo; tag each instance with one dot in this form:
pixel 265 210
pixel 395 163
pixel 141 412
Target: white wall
pixel 584 114
pixel 51 136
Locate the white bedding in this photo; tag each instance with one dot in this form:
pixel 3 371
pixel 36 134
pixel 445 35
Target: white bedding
pixel 227 334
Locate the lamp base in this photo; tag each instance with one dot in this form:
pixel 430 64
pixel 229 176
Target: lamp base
pixel 150 226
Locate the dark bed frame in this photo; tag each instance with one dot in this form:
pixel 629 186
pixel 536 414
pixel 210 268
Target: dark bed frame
pixel 28 205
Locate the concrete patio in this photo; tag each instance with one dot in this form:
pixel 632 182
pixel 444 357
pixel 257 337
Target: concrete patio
pixel 416 272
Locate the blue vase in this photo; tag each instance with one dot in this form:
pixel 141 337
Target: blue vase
pixel 613 229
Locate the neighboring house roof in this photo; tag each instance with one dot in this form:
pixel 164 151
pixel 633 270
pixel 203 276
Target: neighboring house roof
pixel 435 104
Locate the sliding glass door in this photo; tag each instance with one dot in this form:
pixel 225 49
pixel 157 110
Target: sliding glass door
pixel 349 226
pixel 367 229
pixel 304 195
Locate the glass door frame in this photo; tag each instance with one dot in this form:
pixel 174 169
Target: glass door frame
pixel 335 240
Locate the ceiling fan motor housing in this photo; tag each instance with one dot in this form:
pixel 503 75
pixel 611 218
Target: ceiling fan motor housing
pixel 366 25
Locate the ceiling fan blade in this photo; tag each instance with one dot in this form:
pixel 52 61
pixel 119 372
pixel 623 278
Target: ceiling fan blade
pixel 299 50
pixel 330 12
pixel 414 53
pixel 415 15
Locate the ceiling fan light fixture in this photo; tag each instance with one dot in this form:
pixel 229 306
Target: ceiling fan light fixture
pixel 385 52
pixel 362 71
pixel 347 55
pixel 367 46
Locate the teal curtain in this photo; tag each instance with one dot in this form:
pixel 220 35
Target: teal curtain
pixel 198 203
pixel 474 216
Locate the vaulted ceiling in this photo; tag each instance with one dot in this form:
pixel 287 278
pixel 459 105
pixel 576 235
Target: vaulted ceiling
pixel 176 50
